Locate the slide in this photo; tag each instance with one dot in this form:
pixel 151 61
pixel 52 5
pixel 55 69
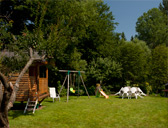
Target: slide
pixel 104 94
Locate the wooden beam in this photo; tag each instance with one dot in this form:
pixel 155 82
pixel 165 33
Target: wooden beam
pixel 71 71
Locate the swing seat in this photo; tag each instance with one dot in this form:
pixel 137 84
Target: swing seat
pixel 72 90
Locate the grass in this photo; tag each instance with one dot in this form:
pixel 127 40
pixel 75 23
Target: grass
pixel 150 112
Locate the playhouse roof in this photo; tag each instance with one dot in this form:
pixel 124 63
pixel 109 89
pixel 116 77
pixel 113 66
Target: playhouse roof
pixel 7 53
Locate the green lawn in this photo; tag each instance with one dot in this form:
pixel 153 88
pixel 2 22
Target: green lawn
pixel 150 112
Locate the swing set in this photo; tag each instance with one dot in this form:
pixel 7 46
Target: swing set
pixel 68 77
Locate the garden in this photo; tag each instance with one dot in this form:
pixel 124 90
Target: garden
pixel 84 112
pixel 39 38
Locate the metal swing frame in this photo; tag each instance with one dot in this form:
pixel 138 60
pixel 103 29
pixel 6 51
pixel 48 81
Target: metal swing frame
pixel 68 79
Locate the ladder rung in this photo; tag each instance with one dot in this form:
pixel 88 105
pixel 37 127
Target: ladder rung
pixel 31 105
pixel 32 101
pixel 30 109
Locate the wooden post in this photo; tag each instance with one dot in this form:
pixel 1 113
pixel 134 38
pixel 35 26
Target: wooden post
pixel 84 86
pixel 62 85
pixel 68 87
pixel 78 83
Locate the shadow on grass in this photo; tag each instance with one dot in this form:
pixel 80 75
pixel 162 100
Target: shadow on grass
pixel 18 110
pixel 50 100
pixel 64 99
pixel 118 97
pixel 18 106
pixel 16 113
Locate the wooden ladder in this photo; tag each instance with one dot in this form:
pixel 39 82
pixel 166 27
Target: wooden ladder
pixel 31 105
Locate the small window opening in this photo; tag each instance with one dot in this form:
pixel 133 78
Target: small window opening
pixel 42 71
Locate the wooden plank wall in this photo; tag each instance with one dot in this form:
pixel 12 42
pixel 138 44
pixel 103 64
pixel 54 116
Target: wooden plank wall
pixel 23 92
pixel 28 86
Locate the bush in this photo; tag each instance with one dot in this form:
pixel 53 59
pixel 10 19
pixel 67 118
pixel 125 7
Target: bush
pixel 91 90
pixel 103 70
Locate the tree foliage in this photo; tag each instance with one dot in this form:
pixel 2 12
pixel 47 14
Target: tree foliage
pixel 79 35
pixel 134 58
pixel 164 7
pixel 104 70
pixel 5 35
pixel 123 36
pixel 21 12
pixel 152 28
pixel 159 67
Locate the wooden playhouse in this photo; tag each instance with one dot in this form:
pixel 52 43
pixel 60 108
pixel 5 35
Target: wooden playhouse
pixel 34 83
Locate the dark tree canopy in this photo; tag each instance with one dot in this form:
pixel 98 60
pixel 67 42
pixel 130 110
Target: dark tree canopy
pixel 21 12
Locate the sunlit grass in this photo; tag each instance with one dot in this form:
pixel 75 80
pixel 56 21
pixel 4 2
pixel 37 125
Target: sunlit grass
pixel 150 112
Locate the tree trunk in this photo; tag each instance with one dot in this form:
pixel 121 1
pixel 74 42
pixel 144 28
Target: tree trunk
pixel 4 100
pixel 8 96
pixel 16 86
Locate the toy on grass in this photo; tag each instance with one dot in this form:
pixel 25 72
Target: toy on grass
pixel 99 91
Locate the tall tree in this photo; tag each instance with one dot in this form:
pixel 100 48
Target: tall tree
pixel 123 36
pixel 159 67
pixel 164 7
pixel 152 28
pixel 98 41
pixel 133 57
pixel 132 38
pixel 72 32
pixel 85 25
